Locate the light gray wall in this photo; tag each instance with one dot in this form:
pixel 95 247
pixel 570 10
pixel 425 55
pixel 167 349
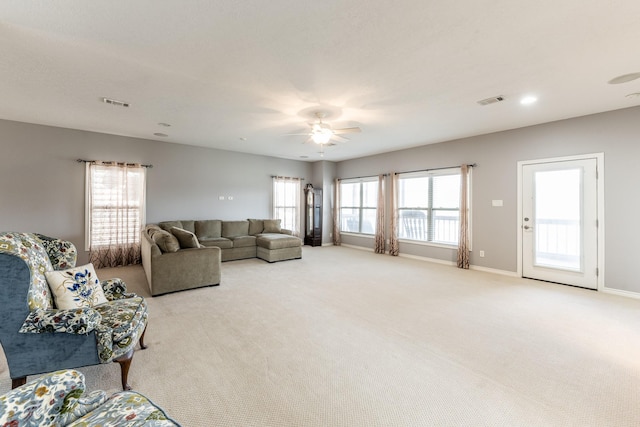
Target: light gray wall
pixel 42 186
pixel 616 134
pixel 324 173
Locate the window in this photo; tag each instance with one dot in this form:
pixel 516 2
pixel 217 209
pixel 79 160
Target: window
pixel 429 206
pixel 115 211
pixel 286 202
pixel 358 202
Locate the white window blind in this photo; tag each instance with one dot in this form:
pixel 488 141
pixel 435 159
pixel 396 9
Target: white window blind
pixel 286 202
pixel 358 205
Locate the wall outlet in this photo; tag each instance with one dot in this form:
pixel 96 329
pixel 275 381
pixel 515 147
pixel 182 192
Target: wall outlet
pixel 481 254
pixel 230 198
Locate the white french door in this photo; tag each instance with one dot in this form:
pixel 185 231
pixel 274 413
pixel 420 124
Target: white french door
pixel 559 221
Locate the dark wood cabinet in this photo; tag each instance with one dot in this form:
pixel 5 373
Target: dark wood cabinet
pixel 313 216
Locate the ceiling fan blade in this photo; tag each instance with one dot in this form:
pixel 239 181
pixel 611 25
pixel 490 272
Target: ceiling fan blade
pixel 347 130
pixel 339 138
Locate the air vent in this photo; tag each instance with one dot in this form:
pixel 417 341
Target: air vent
pixel 115 102
pixel 491 100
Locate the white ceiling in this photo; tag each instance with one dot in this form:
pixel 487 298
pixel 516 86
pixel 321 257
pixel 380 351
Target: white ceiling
pixel 408 72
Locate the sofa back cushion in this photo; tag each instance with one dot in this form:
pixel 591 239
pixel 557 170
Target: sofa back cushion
pixel 231 229
pixel 208 229
pixel 255 226
pixel 272 226
pixel 166 225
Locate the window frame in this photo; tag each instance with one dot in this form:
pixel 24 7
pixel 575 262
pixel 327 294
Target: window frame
pixel 360 208
pixel 297 209
pixel 430 209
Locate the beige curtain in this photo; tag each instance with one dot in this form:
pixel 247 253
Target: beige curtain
pixel 394 248
pixel 463 241
pixel 115 213
pixel 337 241
pixel 379 241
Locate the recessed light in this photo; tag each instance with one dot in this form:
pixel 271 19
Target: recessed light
pixel 243 138
pixel 162 135
pixel 165 125
pixel 624 78
pixel 528 100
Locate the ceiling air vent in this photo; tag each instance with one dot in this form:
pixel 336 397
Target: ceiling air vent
pixel 115 102
pixel 491 100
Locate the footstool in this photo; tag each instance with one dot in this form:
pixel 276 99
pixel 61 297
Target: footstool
pixel 278 247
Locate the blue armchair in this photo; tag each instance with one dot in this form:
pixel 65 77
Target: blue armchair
pixel 37 337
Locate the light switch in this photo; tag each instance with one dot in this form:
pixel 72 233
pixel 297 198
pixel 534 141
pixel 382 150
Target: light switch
pixel 220 197
pixel 496 203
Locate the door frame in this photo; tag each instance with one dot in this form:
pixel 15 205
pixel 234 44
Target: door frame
pixel 599 157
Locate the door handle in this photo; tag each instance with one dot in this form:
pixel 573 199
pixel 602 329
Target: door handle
pixel 526 227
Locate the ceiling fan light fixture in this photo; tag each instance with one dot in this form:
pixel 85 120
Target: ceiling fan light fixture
pixel 321 135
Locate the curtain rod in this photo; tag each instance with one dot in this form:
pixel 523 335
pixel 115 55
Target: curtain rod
pixel 473 165
pixel 286 177
pixel 91 161
pixel 360 177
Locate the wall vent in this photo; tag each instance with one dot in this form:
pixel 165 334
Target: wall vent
pixel 491 100
pixel 115 102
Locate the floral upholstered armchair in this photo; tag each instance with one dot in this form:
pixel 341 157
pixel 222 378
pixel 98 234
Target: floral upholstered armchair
pixel 56 399
pixel 38 334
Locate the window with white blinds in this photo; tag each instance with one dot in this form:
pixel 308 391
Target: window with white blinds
pixel 429 206
pixel 115 207
pixel 286 202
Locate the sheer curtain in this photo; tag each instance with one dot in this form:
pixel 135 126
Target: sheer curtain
pixel 337 241
pixel 394 248
pixel 286 202
pixel 463 241
pixel 115 212
pixel 379 240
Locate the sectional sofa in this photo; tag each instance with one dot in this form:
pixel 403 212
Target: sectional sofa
pixel 185 254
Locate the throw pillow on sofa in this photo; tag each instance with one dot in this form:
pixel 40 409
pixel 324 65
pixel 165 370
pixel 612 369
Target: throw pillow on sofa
pixel 75 287
pixel 272 226
pixel 255 226
pixel 166 241
pixel 186 238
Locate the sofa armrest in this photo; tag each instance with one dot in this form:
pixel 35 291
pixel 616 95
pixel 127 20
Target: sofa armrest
pixel 52 397
pixel 285 231
pixel 115 289
pixel 79 321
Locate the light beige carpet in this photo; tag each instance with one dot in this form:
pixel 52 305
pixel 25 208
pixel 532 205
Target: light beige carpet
pixel 345 337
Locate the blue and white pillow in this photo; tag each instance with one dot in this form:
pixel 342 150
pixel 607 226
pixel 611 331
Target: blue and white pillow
pixel 75 287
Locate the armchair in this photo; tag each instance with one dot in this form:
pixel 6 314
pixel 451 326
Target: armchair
pixel 58 399
pixel 37 337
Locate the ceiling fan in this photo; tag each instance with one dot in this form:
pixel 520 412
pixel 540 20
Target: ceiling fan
pixel 321 133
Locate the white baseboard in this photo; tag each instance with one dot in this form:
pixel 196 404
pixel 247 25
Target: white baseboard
pixel 620 292
pixel 443 262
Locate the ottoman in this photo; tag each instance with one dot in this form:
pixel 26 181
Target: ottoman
pixel 278 247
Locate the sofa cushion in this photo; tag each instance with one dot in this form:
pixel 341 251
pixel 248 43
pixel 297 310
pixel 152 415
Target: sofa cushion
pixel 186 238
pixel 255 226
pixel 75 287
pixel 208 228
pixel 189 225
pixel 219 242
pixel 277 241
pixel 166 241
pixel 167 225
pixel 272 226
pixel 244 241
pixel 231 229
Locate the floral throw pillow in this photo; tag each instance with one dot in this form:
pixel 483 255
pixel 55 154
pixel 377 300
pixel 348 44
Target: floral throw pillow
pixel 75 287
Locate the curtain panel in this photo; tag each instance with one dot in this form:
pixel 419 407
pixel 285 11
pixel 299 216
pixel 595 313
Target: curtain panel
pixel 337 239
pixel 115 212
pixel 394 247
pixel 463 240
pixel 380 228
